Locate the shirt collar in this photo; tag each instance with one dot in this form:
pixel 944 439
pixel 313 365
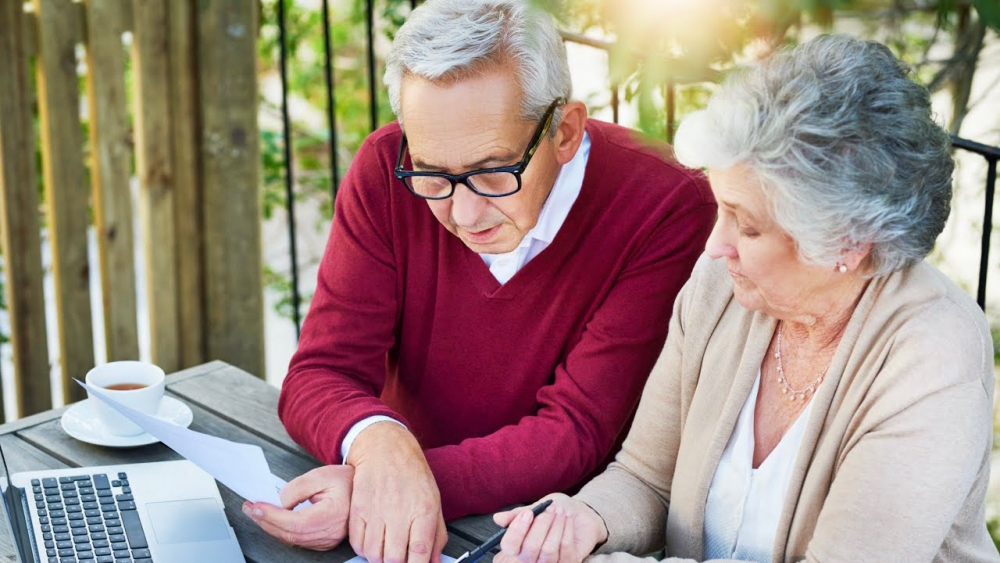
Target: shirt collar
pixel 561 198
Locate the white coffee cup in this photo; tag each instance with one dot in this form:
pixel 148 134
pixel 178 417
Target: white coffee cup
pixel 145 400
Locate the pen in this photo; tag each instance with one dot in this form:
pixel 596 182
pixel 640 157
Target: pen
pixel 476 554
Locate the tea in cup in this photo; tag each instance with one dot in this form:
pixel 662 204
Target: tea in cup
pixel 136 385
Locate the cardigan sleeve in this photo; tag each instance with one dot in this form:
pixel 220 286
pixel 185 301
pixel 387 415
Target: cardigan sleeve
pixel 923 449
pixel 633 494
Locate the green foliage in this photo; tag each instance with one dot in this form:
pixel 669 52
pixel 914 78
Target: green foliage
pixel 692 47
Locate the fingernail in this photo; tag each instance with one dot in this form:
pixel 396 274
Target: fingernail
pixel 526 516
pixel 246 508
pixel 257 513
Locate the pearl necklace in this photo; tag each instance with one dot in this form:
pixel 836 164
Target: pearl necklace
pixel 786 389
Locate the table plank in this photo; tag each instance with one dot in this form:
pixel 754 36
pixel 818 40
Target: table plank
pixel 41 443
pixel 239 397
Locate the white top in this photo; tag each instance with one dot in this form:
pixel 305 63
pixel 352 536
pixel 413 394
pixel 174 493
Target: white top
pixel 504 266
pixel 744 504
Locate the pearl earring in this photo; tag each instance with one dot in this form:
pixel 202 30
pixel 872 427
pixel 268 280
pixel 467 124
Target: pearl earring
pixel 842 268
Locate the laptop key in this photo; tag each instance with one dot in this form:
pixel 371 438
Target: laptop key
pixel 47 536
pixel 35 482
pixel 97 528
pixel 116 537
pixel 91 505
pixel 64 529
pixel 99 536
pixel 127 490
pixel 99 544
pixel 116 483
pixel 119 545
pixel 105 559
pixel 94 520
pixel 88 498
pixel 68 486
pixel 122 475
pixel 64 545
pixel 122 554
pixel 39 497
pixel 85 556
pixel 104 493
pixel 74 508
pixel 92 512
pixel 67 552
pixel 141 554
pixel 74 516
pixel 99 551
pixel 101 482
pixel 50 482
pixel 63 536
pixel 123 497
pixel 65 479
pixel 126 505
pixel 116 530
pixel 133 529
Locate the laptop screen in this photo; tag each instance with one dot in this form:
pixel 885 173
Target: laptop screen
pixel 9 540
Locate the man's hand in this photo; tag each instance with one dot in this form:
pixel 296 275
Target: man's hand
pixel 321 526
pixel 396 514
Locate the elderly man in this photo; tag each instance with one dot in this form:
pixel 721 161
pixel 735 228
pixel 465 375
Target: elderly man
pixel 496 288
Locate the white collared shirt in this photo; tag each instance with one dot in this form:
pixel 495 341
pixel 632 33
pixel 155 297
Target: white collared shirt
pixel 744 504
pixel 504 266
pixel 550 220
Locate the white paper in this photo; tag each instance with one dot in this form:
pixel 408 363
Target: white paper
pixel 241 467
pixel 359 559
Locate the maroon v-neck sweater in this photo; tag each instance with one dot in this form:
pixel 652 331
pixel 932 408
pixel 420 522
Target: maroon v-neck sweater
pixel 515 390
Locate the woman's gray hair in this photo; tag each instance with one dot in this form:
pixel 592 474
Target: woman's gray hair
pixel 455 39
pixel 844 145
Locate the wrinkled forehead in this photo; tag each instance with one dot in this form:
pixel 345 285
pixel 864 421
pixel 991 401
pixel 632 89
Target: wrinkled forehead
pixel 453 123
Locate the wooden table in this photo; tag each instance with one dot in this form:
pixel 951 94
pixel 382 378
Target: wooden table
pixel 229 403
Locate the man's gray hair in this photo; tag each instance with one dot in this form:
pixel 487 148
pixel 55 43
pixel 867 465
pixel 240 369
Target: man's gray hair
pixel 844 145
pixel 455 39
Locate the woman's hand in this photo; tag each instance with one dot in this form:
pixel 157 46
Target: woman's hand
pixel 567 532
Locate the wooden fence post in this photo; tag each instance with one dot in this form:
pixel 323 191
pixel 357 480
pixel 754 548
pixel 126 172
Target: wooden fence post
pixel 19 221
pixel 154 167
pixel 66 192
pixel 111 171
pixel 230 156
pixel 185 124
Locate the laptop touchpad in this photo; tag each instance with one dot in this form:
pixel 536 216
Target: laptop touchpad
pixel 187 521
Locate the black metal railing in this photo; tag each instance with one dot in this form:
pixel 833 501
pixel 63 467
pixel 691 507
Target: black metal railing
pixel 990 153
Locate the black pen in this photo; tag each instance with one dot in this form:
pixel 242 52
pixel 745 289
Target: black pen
pixel 479 552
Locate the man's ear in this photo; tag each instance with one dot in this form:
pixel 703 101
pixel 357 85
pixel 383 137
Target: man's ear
pixel 569 133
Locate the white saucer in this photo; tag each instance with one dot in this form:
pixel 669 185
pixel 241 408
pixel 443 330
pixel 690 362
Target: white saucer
pixel 81 422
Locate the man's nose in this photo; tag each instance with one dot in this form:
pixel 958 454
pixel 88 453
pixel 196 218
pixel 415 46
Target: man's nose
pixel 467 207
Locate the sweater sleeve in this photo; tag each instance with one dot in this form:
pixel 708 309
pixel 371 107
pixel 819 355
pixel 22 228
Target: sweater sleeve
pixel 593 393
pixel 337 373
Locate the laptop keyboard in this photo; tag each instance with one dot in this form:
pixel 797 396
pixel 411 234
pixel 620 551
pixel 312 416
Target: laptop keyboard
pixel 89 519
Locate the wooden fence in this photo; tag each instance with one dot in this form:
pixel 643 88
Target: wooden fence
pixel 181 103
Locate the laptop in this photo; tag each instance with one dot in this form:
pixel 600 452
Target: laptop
pixel 163 512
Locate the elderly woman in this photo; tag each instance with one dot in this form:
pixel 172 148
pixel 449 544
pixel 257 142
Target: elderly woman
pixel 824 394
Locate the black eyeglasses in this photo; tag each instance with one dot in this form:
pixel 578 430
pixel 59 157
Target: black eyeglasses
pixel 488 182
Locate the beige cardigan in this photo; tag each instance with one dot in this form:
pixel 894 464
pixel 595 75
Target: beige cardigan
pixel 895 460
